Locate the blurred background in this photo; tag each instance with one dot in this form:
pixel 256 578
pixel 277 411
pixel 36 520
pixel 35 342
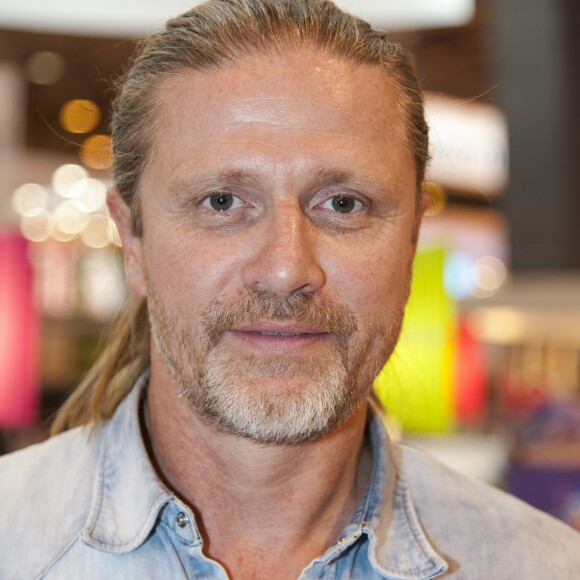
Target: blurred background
pixel 487 373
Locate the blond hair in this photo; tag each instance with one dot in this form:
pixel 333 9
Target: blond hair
pixel 208 37
pixel 112 376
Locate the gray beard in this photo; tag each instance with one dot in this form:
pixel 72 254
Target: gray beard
pixel 232 392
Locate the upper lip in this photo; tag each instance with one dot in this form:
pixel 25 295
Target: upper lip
pixel 286 327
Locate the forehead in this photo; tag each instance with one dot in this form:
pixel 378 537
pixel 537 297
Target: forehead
pixel 354 92
pixel 277 104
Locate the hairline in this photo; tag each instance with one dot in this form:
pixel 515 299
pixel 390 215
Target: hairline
pixel 155 102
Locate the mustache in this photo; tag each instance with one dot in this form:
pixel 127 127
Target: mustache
pixel 252 306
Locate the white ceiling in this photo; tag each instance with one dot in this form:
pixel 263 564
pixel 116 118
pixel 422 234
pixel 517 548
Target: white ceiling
pixel 137 17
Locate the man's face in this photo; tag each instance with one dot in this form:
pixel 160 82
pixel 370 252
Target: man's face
pixel 279 221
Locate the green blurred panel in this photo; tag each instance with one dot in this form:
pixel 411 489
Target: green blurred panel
pixel 416 384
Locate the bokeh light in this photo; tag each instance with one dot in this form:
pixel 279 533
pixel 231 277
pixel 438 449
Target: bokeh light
pixel 97 152
pixel 80 116
pixel 457 278
pixel 92 195
pixel 29 198
pixel 114 235
pixel 36 226
pixel 69 220
pixel 74 207
pixel 465 276
pixel 489 274
pixel 44 67
pixel 67 180
pixel 97 233
pixel 56 233
pixel 437 194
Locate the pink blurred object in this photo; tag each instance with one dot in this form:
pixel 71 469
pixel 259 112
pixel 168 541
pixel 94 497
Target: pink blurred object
pixel 19 335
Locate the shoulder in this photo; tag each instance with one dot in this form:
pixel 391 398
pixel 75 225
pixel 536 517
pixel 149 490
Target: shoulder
pixel 45 498
pixel 485 528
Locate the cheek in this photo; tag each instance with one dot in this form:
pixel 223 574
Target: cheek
pixel 189 271
pixel 372 281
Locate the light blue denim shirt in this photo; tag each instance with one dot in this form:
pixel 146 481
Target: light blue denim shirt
pixel 92 507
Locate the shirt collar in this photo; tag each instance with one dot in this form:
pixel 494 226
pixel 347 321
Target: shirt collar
pixel 399 548
pixel 128 493
pixel 123 513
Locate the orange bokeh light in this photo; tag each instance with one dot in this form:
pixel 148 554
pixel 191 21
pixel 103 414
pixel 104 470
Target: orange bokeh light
pixel 97 152
pixel 80 116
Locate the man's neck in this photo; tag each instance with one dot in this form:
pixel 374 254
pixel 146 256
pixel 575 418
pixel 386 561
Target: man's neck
pixel 263 510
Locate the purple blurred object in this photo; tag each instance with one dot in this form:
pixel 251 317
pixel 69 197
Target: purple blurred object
pixel 545 464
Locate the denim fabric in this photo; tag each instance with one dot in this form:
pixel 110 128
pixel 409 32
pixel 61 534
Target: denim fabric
pixel 91 506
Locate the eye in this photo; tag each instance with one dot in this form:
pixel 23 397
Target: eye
pixel 343 204
pixel 222 202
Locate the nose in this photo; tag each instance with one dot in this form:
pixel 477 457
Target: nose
pixel 284 260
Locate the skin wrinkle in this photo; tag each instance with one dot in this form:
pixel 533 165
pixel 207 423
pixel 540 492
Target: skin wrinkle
pixel 339 95
pixel 283 124
pixel 196 368
pixel 340 99
pixel 269 145
pixel 218 318
pixel 184 190
pixel 275 169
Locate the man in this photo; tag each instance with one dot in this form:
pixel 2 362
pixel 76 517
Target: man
pixel 268 165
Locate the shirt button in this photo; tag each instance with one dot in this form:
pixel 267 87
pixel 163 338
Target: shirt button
pixel 182 520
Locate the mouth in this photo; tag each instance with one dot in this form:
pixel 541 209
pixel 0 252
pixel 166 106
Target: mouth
pixel 264 333
pixel 280 338
pixel 278 333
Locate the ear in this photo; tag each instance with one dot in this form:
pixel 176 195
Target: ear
pixel 132 250
pixel 424 204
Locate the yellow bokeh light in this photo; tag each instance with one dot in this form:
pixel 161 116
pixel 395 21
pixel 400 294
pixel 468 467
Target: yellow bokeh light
pixel 80 116
pixel 438 195
pixel 97 152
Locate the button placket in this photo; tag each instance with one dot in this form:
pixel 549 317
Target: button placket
pixel 178 518
pixel 182 520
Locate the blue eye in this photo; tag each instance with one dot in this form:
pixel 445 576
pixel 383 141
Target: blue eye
pixel 342 204
pixel 222 201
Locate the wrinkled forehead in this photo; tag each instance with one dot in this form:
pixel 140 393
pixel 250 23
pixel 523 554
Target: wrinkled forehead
pixel 287 89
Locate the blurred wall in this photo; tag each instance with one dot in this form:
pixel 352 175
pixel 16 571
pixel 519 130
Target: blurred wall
pixel 537 52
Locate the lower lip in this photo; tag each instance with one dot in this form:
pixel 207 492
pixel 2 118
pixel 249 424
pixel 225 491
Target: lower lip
pixel 296 343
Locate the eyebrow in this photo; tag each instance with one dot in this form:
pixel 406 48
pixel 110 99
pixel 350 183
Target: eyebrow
pixel 230 176
pixel 242 177
pixel 333 176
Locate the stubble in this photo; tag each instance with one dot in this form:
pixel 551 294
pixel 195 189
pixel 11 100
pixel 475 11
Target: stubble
pixel 272 399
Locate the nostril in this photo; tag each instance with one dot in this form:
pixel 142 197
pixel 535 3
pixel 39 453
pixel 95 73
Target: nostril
pixel 285 258
pixel 284 270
